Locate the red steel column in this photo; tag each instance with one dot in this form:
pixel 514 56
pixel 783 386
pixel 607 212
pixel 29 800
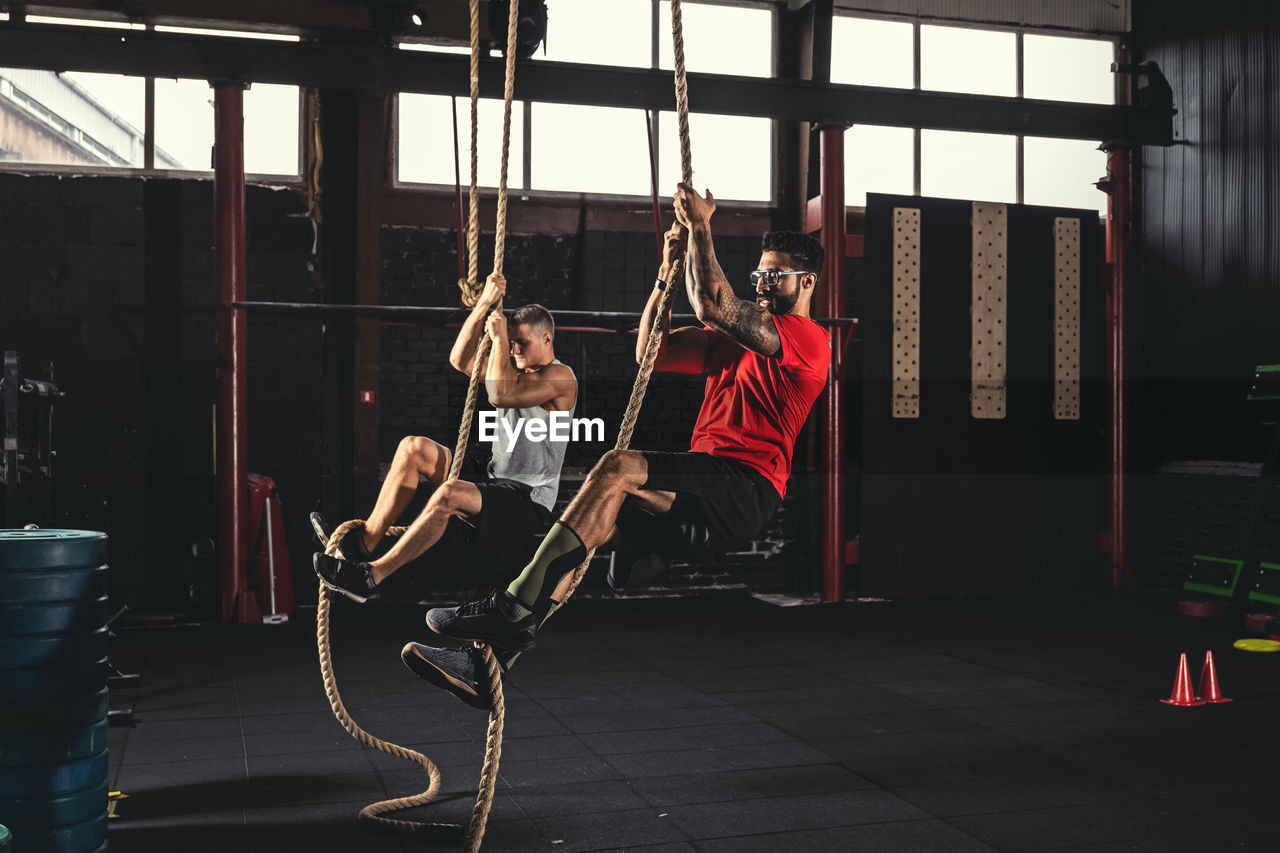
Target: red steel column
pixel 1118 222
pixel 229 270
pixel 833 243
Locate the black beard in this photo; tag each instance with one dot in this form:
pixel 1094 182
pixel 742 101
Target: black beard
pixel 782 303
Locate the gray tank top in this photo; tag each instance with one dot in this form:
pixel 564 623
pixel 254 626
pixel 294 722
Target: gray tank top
pixel 535 463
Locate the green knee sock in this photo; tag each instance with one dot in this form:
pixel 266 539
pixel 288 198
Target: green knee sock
pixel 560 553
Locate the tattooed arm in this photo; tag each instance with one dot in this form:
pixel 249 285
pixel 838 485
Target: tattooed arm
pixel 710 293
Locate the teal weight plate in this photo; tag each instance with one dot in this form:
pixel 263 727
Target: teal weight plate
pixel 44 585
pixel 51 743
pixel 56 650
pixel 76 838
pixel 65 777
pixel 68 712
pixel 53 682
pixel 30 550
pixel 52 812
pixel 20 620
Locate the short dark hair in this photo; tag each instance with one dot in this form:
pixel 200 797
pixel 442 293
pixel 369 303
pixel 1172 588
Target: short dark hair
pixel 804 249
pixel 534 315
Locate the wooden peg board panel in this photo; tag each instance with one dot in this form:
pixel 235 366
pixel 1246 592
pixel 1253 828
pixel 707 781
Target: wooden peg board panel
pixel 1066 319
pixel 906 312
pixel 988 310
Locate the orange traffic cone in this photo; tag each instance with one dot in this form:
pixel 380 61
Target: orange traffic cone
pixel 1209 690
pixel 1182 695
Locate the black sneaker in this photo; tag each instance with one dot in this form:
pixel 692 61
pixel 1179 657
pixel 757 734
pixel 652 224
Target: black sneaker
pixel 351 547
pixel 460 671
pixel 354 580
pixel 482 621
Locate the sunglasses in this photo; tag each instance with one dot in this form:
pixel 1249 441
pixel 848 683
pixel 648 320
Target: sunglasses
pixel 772 277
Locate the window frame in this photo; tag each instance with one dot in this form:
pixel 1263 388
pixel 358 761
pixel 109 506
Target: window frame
pixel 1020 60
pixel 297 179
pixel 658 27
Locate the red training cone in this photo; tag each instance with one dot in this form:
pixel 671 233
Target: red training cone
pixel 1182 695
pixel 1209 690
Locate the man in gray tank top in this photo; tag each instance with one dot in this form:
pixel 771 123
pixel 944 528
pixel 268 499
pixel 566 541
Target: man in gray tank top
pixel 496 504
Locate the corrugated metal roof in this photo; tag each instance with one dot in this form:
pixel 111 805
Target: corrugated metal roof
pixel 1086 16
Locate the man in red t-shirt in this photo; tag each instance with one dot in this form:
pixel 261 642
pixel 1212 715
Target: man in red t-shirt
pixel 766 363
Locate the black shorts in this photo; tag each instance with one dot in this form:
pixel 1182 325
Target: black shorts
pixel 731 499
pixel 508 518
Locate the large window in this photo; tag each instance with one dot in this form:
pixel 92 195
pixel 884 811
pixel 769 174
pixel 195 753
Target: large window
pixel 425 140
pixel 184 126
pixel 605 150
pixel 98 121
pixel 966 60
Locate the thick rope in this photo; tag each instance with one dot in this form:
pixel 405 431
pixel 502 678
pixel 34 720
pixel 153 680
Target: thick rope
pixel 497 711
pixel 500 237
pixel 372 812
pixel 471 288
pixel 652 345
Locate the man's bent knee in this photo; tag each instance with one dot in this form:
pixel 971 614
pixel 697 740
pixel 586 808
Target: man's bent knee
pixel 624 467
pixel 455 497
pixel 422 452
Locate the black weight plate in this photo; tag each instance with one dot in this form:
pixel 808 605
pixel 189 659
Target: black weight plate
pixel 52 683
pixel 67 711
pixel 53 585
pixel 53 649
pixel 65 777
pixel 20 620
pixel 29 550
pixel 50 743
pixel 52 812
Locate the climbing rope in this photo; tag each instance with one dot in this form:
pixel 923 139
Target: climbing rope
pixel 493 743
pixel 470 286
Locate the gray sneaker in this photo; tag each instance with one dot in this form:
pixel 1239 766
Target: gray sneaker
pixel 459 671
pixel 482 621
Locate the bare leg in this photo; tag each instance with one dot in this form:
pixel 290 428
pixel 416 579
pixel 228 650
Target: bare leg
pixel 457 497
pixel 594 509
pixel 415 457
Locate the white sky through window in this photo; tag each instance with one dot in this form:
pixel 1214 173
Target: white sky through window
pixel 425 141
pixel 595 33
pixel 867 52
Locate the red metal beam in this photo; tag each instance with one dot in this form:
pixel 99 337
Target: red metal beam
pixel 834 242
pixel 237 602
pixel 1118 187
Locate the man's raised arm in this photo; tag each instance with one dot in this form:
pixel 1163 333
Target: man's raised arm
pixel 463 355
pixel 710 293
pixel 684 350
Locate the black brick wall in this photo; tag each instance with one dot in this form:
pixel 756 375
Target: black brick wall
pixel 112 279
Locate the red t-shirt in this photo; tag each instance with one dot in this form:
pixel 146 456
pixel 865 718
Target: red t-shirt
pixel 755 406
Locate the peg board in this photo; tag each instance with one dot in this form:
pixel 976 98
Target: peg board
pixel 988 311
pixel 1066 319
pixel 1010 503
pixel 906 312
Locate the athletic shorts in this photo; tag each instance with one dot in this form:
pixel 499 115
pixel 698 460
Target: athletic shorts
pixel 508 519
pixel 732 500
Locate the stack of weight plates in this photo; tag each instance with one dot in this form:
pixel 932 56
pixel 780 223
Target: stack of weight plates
pixel 53 690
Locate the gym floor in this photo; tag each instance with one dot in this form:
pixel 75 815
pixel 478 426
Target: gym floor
pixel 715 724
